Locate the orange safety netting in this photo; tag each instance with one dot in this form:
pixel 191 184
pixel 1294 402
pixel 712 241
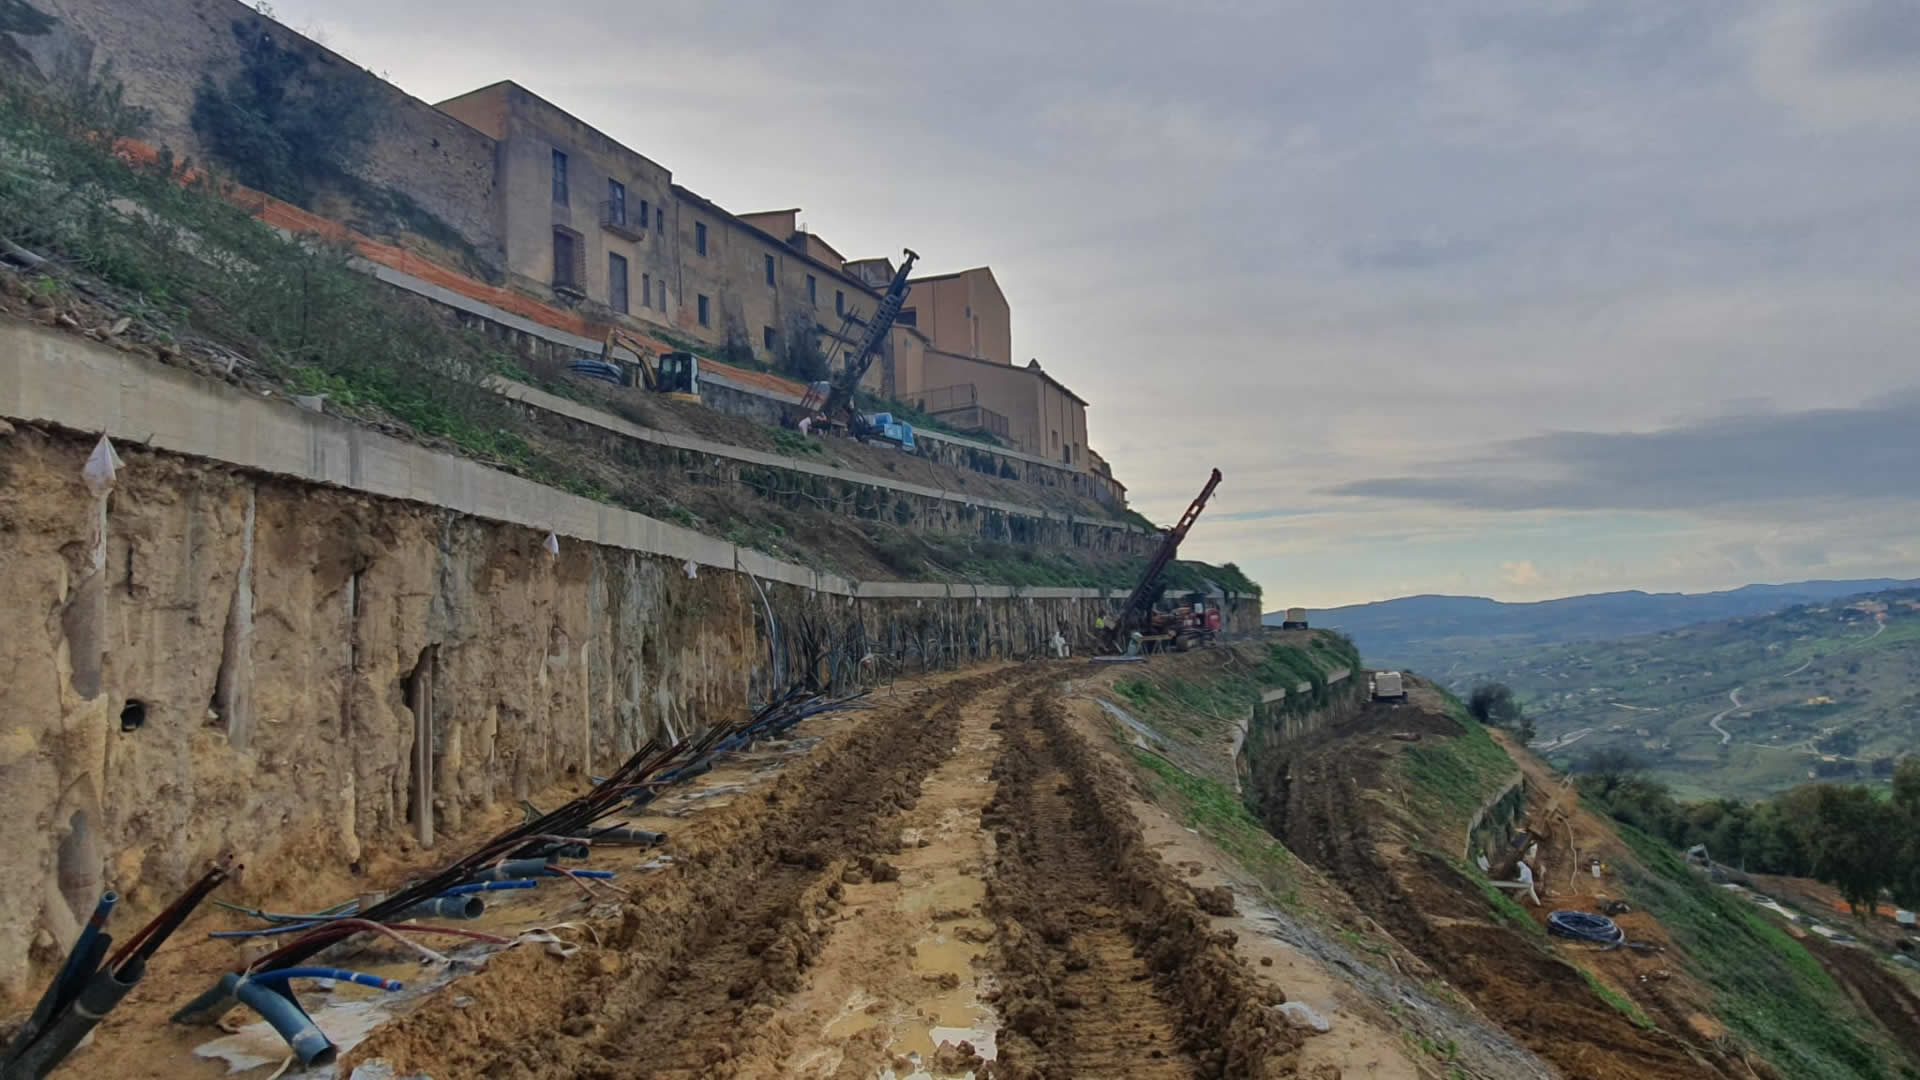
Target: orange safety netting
pixel 285 215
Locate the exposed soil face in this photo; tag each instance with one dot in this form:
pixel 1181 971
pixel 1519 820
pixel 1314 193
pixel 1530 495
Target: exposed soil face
pixel 1336 815
pixel 1881 991
pixel 1108 966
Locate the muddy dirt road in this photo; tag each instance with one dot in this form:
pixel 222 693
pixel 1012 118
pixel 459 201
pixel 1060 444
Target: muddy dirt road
pixel 955 866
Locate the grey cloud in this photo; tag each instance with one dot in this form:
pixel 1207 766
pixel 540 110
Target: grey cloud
pixel 1871 34
pixel 1818 456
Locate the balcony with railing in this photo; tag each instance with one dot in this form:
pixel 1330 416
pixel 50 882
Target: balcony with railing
pixel 613 218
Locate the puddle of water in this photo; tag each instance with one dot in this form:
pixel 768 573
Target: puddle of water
pixel 941 954
pixel 949 894
pixel 852 1017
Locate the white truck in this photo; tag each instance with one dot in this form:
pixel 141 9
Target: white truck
pixel 1389 686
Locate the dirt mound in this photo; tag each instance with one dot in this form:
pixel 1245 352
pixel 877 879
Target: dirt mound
pixel 1108 966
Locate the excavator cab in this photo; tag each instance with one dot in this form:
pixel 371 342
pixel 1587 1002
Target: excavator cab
pixel 677 375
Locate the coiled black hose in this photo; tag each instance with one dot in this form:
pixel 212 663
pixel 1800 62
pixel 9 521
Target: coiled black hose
pixel 1586 926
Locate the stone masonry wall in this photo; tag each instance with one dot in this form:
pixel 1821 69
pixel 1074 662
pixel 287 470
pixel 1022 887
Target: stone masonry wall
pixel 160 50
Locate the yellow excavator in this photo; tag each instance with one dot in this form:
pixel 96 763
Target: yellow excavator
pixel 675 374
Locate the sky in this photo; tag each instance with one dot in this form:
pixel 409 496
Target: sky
pixel 1516 298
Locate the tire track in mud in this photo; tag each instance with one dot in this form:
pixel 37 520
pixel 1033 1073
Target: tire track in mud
pixel 702 955
pixel 1106 966
pixel 714 1004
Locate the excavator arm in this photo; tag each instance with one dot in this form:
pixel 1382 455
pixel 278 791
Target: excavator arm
pixel 617 338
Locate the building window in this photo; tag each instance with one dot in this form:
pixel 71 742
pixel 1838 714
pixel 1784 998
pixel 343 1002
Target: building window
pixel 839 302
pixel 646 215
pixel 769 269
pixel 908 317
pixel 617 283
pixel 617 202
pixel 766 337
pixel 812 290
pixel 660 218
pixel 706 313
pixel 646 290
pixel 559 178
pixel 564 251
pixel 700 237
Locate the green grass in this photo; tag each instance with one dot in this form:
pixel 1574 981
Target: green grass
pixel 189 261
pixel 1620 1004
pixel 794 444
pixel 1226 694
pixel 1451 777
pixel 1767 988
pixel 1214 811
pixel 1505 907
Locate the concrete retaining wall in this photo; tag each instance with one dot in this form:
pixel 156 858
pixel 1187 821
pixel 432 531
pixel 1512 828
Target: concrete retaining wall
pixel 223 652
pixel 837 490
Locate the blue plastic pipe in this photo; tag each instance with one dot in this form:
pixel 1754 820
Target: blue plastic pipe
pixel 341 974
pixel 75 973
pixel 490 886
pixel 520 868
pixel 445 907
pixel 278 1008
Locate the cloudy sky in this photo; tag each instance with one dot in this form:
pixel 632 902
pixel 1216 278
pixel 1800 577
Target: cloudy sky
pixel 1519 298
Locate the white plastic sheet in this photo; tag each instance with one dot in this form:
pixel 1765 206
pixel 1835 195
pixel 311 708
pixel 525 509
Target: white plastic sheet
pixel 102 467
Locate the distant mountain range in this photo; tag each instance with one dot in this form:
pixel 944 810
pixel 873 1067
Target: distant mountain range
pixel 1422 631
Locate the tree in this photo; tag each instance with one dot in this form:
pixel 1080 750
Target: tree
pixel 1854 843
pixel 1526 731
pixel 1493 703
pixel 1610 767
pixel 1905 812
pixel 1906 784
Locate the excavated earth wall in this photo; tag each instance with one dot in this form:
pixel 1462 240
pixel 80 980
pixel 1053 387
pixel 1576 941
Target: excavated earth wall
pixel 209 660
pixel 1290 718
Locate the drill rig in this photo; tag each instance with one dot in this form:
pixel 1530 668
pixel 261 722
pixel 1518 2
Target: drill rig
pixel 833 401
pixel 1188 623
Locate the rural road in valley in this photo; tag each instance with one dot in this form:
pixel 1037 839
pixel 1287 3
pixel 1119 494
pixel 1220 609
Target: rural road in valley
pixel 1733 695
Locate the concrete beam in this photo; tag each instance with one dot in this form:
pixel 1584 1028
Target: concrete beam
pixel 55 378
